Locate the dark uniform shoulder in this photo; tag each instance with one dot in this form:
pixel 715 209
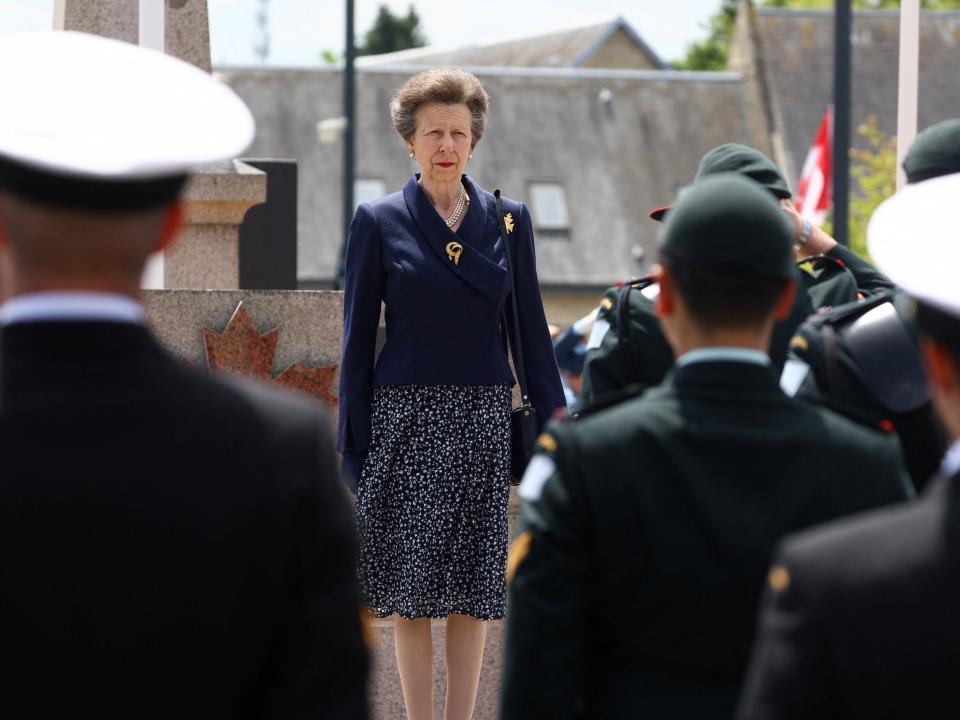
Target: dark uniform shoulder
pixel 616 424
pixel 628 351
pixel 831 556
pixel 850 435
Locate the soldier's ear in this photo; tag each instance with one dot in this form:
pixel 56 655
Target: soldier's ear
pixel 784 306
pixel 666 298
pixel 174 217
pixel 3 223
pixel 940 365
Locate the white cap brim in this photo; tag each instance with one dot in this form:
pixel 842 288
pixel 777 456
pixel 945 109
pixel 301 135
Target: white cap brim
pixel 912 237
pixel 86 106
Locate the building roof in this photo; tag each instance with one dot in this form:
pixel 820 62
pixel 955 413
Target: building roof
pixel 797 46
pixel 618 143
pixel 579 47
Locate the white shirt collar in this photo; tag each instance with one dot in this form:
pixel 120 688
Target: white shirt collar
pixel 724 354
pixel 951 461
pixel 71 306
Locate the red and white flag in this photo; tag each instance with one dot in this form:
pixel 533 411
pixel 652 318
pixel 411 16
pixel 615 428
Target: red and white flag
pixel 814 192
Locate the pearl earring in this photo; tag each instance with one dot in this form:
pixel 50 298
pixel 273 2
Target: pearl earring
pixel 411 153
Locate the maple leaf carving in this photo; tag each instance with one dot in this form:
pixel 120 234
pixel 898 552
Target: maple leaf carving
pixel 241 350
pixel 316 381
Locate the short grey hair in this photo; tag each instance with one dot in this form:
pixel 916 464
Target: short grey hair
pixel 450 86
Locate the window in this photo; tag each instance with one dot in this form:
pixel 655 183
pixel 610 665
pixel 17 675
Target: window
pixel 549 204
pixel 367 190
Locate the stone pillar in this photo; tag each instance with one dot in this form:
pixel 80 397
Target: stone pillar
pixel 188 32
pixel 117 19
pixel 206 255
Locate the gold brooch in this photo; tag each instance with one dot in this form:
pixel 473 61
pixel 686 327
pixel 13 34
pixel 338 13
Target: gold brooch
pixel 508 222
pixel 454 250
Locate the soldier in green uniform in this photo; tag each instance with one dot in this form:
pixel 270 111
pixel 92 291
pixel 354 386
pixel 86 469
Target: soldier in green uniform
pixel 647 529
pixel 628 352
pixel 862 359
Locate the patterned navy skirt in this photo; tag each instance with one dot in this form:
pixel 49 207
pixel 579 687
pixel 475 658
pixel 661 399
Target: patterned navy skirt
pixel 432 501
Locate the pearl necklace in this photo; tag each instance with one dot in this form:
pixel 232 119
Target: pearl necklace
pixel 458 210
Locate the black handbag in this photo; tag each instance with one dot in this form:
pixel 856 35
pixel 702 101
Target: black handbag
pixel 523 419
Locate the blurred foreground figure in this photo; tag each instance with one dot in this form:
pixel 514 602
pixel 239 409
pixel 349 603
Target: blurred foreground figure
pixel 647 529
pixel 861 617
pixel 173 545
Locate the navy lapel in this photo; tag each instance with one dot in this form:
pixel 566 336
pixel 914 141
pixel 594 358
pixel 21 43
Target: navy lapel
pixel 478 260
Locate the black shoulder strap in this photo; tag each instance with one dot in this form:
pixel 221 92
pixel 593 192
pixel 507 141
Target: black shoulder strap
pixel 517 345
pixel 629 356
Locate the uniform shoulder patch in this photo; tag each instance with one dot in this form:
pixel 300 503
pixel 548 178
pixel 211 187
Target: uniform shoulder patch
pixel 600 328
pixel 778 578
pixel 540 469
pixel 794 373
pixel 799 343
pixel 547 442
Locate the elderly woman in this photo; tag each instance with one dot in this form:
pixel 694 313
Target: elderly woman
pixel 426 429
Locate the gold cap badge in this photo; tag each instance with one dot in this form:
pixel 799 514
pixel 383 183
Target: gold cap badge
pixel 454 251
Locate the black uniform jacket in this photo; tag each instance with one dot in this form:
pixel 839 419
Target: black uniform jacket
pixel 647 549
pixel 863 623
pixel 171 546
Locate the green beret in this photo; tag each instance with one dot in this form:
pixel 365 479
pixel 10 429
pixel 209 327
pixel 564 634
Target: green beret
pixel 746 161
pixel 730 224
pixel 935 152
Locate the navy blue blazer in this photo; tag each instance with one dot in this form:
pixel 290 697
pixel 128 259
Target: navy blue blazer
pixel 442 317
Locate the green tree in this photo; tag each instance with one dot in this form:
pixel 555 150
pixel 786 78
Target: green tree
pixel 711 53
pixel 874 173
pixel 390 33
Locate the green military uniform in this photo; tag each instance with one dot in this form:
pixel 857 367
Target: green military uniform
pixel 646 530
pixel 628 352
pixel 861 360
pixel 862 356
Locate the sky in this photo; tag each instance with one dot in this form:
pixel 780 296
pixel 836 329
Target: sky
pixel 301 29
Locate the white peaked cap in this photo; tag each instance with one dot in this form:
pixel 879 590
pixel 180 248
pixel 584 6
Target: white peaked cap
pixel 913 237
pixel 88 107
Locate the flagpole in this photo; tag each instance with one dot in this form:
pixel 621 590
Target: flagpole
pixel 909 79
pixel 153 35
pixel 841 120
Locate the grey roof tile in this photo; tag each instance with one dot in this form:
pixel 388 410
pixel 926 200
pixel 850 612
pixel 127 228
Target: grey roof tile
pixel 799 47
pixel 567 48
pixel 616 160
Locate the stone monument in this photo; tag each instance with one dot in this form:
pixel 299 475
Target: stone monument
pixel 206 255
